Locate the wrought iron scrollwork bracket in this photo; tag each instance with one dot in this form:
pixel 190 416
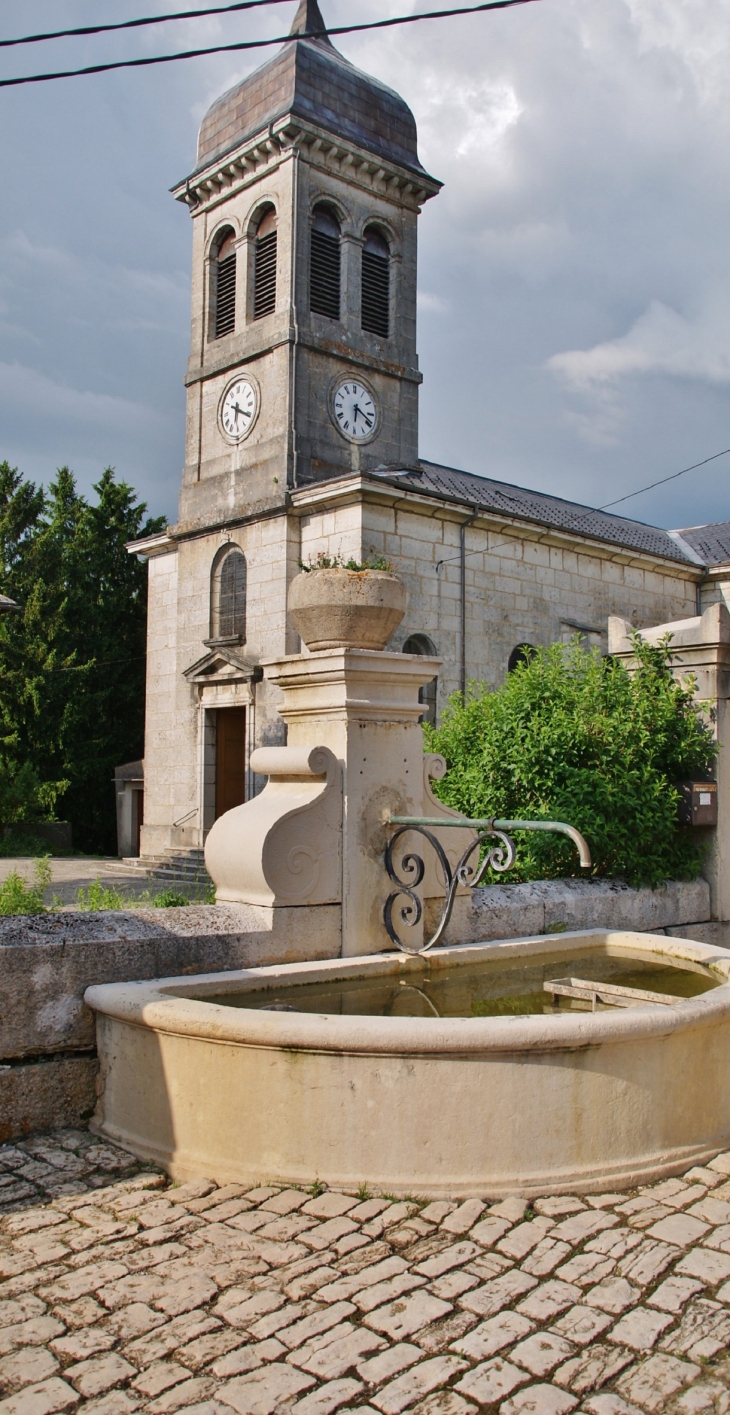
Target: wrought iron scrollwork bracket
pixel 408 873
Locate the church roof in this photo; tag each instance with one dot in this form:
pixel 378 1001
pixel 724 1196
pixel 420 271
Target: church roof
pixel 541 509
pixel 311 80
pixel 711 543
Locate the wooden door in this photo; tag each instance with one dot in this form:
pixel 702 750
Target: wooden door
pixel 230 774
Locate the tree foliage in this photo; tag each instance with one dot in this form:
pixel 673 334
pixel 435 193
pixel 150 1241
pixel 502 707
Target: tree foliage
pixel 72 662
pixel 575 737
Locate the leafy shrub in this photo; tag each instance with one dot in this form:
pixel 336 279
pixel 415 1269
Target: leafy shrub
pixel 21 842
pixel 23 796
pixel 575 737
pixel 322 561
pixel 17 896
pixel 98 896
pixel 169 899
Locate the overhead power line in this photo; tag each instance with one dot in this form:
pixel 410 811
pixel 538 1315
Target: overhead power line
pixel 663 481
pixel 262 43
pixel 137 24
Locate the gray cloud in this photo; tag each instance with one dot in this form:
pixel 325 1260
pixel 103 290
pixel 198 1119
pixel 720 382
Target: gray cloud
pixel 574 273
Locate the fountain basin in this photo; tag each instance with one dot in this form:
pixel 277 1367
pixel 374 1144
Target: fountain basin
pixel 534 1102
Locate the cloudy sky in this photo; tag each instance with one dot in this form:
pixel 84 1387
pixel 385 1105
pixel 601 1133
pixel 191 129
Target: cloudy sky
pixel 574 275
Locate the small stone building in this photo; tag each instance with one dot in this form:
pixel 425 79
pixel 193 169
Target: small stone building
pixel 302 436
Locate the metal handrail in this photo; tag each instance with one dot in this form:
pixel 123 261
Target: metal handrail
pixel 500 857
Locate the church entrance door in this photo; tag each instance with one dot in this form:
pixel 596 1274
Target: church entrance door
pixel 230 774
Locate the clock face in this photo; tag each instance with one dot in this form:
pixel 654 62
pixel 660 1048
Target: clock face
pixel 239 409
pixel 355 410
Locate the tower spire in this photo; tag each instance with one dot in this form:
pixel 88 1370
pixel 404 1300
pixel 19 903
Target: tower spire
pixel 308 20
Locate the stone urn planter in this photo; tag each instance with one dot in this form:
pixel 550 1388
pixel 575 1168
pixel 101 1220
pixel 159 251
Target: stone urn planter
pixel 338 608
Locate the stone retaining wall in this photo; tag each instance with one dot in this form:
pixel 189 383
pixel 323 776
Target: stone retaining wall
pixel 47 1043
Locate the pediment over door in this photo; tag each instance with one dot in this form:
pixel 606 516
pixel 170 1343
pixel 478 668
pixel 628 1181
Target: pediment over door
pixel 222 666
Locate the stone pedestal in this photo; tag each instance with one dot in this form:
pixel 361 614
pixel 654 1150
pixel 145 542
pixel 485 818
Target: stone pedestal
pixel 364 706
pixel 700 646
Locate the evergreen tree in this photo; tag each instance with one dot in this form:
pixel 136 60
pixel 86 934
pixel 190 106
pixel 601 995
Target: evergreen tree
pixel 72 662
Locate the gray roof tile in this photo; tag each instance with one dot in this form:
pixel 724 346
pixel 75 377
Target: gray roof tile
pixel 711 543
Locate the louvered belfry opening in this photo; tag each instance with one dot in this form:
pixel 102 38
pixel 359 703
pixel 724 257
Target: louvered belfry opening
pixel 325 264
pixel 225 286
pixel 375 307
pixel 229 597
pixel 264 272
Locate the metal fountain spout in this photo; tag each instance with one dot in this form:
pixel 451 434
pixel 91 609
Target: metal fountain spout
pixel 499 856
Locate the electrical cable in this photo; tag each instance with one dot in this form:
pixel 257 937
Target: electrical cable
pixel 262 43
pixel 664 480
pixel 137 24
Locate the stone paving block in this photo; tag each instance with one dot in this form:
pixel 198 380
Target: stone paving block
pixel 265 1391
pixel 492 1381
pixel 500 1292
pixel 539 1400
pixel 344 1288
pixel 710 1267
pixel 542 1352
pixel 615 1243
pixel 703 1331
pixel 313 1325
pixel 545 1257
pixel 287 1201
pixel 451 1257
pixel 703 1398
pixel 418 1381
pixel 156 1344
pixel 326 1233
pixel 513 1207
pixel 433 1213
pixel 28 1367
pixel 189 1393
pixel 389 1363
pixel 304 1353
pixel 490 1230
pixel 132 1321
pixel 559 1205
pixel 609 1405
pixel 42 1398
pixel 337 1357
pixel 712 1210
pixel 85 1279
pixel 13 1313
pixel 282 1229
pixel 330 1205
pixel 674 1292
pixel 582 1324
pixel 640 1328
pixel 613 1294
pixel 718 1238
pixel 461 1219
pixel 443 1402
pixel 444 1333
pixel 273 1322
pixel 407 1316
pixel 99 1374
pixel 382 1292
pixel 313 1281
pixel 647 1262
pixel 493 1335
pixel 34 1332
pixel 80 1344
pixel 327 1398
pixel 680 1229
pixel 453 1284
pixel 489 1265
pixel 247 1308
pixel 547 1300
pixel 651 1383
pixel 199 1353
pixel 593 1368
pixel 586 1269
pixel 521 1240
pixel 115 1402
pixel 579 1227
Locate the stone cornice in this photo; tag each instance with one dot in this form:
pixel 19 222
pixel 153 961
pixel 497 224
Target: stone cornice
pixel 217 362
pixel 248 161
pixel 348 490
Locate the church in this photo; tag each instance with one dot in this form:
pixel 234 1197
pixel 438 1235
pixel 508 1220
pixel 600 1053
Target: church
pixel 302 438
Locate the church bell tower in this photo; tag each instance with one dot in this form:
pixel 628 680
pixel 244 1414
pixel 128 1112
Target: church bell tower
pixel 305 199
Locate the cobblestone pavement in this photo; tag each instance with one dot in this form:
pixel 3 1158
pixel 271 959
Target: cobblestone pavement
pixel 120 1292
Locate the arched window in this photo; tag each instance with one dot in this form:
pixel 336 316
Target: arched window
pixel 428 694
pixel 521 653
pixel 228 596
pixel 375 306
pixel 325 264
pixel 224 284
pixel 264 266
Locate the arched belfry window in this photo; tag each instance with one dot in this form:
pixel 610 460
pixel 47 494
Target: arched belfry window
pixel 264 265
pixel 428 694
pixel 325 264
pixel 228 596
pixel 375 307
pixel 224 284
pixel 521 653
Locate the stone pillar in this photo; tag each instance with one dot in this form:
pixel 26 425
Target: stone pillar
pixel 364 706
pixel 700 646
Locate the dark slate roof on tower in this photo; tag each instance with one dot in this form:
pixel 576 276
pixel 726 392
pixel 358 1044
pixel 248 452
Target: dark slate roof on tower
pixel 311 80
pixel 448 484
pixel 711 543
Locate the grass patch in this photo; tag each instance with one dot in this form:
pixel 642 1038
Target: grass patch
pixel 17 896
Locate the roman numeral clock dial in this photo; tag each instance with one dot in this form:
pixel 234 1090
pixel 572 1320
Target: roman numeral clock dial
pixel 239 409
pixel 355 411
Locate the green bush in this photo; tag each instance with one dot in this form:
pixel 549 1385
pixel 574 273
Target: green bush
pixel 575 737
pixel 17 896
pixel 98 896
